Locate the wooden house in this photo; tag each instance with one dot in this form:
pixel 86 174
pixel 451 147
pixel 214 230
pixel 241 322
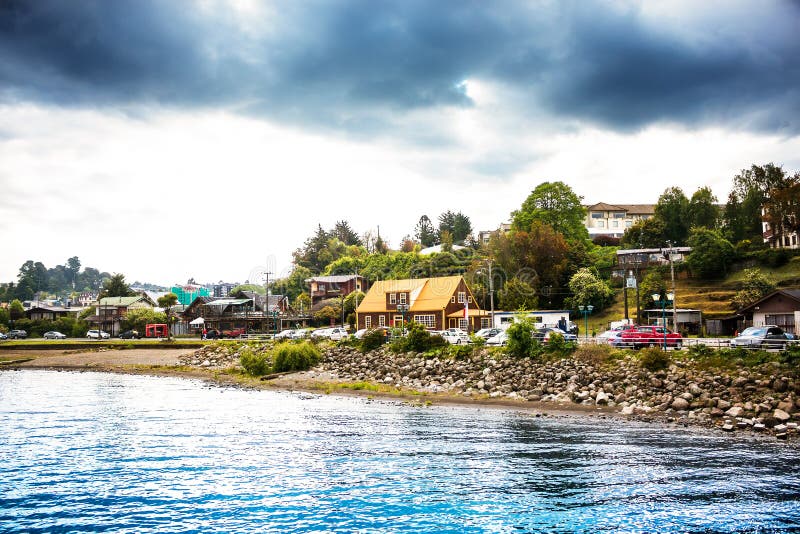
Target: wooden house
pixel 328 287
pixel 436 303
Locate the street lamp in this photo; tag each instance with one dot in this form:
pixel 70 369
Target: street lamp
pixel 664 303
pixel 402 308
pixel 586 310
pixel 491 291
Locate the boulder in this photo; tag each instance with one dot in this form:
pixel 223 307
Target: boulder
pixel 601 398
pixel 735 411
pixel 781 416
pixel 680 404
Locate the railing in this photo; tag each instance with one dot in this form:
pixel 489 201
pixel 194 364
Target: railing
pixel 256 337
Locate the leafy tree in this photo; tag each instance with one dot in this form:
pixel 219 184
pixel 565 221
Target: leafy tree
pixel 352 301
pixel 16 310
pixel 315 254
pixel 652 283
pixel 408 244
pixel 302 303
pixel 520 338
pixel 5 316
pixel 345 234
pixel 672 209
pixel 167 302
pixel 556 205
pixel 587 288
pixel 755 285
pixel 457 224
pixel 749 195
pixel 518 294
pixel 711 253
pixel 447 240
pixel 32 279
pixel 327 313
pixel 137 319
pixel 782 208
pixel 648 233
pixel 73 268
pixel 293 285
pixel 703 210
pixel 116 287
pixel 425 233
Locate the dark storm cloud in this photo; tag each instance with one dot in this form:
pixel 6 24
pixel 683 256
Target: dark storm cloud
pixel 360 65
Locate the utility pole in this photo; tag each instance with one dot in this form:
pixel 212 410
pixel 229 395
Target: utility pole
pixel 491 293
pixel 674 295
pixel 266 297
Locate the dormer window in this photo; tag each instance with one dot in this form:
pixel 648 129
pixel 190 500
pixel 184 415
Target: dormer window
pixel 392 298
pixel 402 298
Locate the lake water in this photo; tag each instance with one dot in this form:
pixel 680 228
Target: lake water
pixel 92 452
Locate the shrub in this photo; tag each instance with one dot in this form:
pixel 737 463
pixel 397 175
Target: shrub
pixel 594 354
pixel 520 339
pixel 255 363
pixel 459 352
pixel 295 357
pixel 418 339
pixel 558 346
pixel 372 340
pixel 654 359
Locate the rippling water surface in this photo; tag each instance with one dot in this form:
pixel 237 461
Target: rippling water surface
pixel 90 452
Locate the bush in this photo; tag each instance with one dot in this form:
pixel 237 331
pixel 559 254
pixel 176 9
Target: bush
pixel 295 357
pixel 255 363
pixel 773 257
pixel 520 339
pixel 459 352
pixel 418 339
pixel 654 359
pixel 372 340
pixel 594 354
pixel 558 346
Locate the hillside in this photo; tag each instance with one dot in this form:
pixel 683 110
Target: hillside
pixel 713 297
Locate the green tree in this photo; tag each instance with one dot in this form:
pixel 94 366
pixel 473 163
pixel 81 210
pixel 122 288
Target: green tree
pixel 316 253
pixel 16 310
pixel 652 283
pixel 587 288
pixel 703 210
pixel 556 205
pixel 648 233
pixel 137 319
pixel 295 284
pixel 672 209
pixel 520 338
pixel 116 287
pixel 447 240
pixel 518 294
pixel 748 196
pixel 167 302
pixel 327 314
pixel 352 301
pixel 73 268
pixel 5 316
pixel 425 233
pixel 782 209
pixel 711 253
pixel 755 285
pixel 345 234
pixel 457 224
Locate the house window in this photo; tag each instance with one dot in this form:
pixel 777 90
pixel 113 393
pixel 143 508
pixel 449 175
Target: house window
pixel 428 321
pixel 596 215
pixel 453 299
pixel 484 322
pixel 628 224
pixel 398 320
pixel 619 215
pixel 469 299
pixel 402 298
pixel 381 320
pixel 320 287
pixel 368 321
pixel 463 324
pixel 601 224
pixel 392 298
pixel 615 224
pixel 462 297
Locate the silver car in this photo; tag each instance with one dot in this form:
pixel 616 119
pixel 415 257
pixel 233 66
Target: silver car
pixel 761 337
pixel 52 334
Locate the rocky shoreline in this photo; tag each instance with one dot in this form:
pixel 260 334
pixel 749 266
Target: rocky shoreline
pixel 762 399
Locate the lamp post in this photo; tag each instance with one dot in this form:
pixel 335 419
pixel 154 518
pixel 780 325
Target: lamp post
pixel 664 303
pixel 586 310
pixel 402 308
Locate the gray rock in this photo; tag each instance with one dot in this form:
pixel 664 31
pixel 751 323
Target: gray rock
pixel 735 411
pixel 680 404
pixel 781 416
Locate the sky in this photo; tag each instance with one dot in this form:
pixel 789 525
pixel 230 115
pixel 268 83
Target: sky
pixel 208 139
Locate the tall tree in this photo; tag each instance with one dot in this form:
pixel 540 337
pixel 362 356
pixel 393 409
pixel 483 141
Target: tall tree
pixel 648 233
pixel 556 205
pixel 703 210
pixel 588 288
pixel 782 209
pixel 314 254
pixel 73 268
pixel 748 196
pixel 711 253
pixel 672 209
pixel 754 286
pixel 116 287
pixel 425 233
pixel 345 234
pixel 457 224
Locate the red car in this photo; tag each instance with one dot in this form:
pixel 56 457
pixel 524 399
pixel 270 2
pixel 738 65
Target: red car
pixel 651 336
pixel 233 332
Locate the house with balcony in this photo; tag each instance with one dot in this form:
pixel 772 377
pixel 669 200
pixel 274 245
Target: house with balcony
pixel 613 219
pixel 328 287
pixel 436 303
pixel 111 310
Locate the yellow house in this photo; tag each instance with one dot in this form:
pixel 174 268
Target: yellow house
pixel 436 303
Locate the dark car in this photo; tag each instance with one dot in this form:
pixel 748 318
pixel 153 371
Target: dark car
pixel 761 337
pixel 17 334
pixel 130 334
pixel 213 334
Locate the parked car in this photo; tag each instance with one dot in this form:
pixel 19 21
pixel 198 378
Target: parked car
pixel 17 334
pixel 213 333
pixel 130 334
pixel 543 334
pixel 3 336
pixel 763 337
pixel 486 333
pixel 97 334
pixel 320 333
pixel 614 332
pixel 358 334
pixel 337 334
pixel 233 332
pixel 52 334
pixel 455 336
pixel 498 340
pixel 285 334
pixel 651 336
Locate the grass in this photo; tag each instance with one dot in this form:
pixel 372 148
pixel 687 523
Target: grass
pixel 86 344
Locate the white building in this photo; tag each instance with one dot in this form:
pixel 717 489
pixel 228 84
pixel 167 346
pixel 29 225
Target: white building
pixel 613 219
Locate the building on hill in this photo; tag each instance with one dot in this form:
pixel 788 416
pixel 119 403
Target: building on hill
pixel 613 219
pixel 436 303
pixel 186 294
pixel 328 287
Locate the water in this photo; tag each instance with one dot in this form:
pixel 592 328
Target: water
pixel 91 452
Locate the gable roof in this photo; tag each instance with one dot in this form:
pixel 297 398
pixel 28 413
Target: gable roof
pixel 791 293
pixel 425 294
pixel 336 279
pixel 638 209
pixel 602 206
pixel 125 301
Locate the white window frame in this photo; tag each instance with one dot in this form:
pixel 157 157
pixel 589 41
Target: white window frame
pixel 469 299
pixel 402 298
pixel 398 320
pixel 453 299
pixel 462 297
pixel 426 320
pixel 381 320
pixel 368 322
pixel 485 322
pixel 392 298
pixel 463 324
